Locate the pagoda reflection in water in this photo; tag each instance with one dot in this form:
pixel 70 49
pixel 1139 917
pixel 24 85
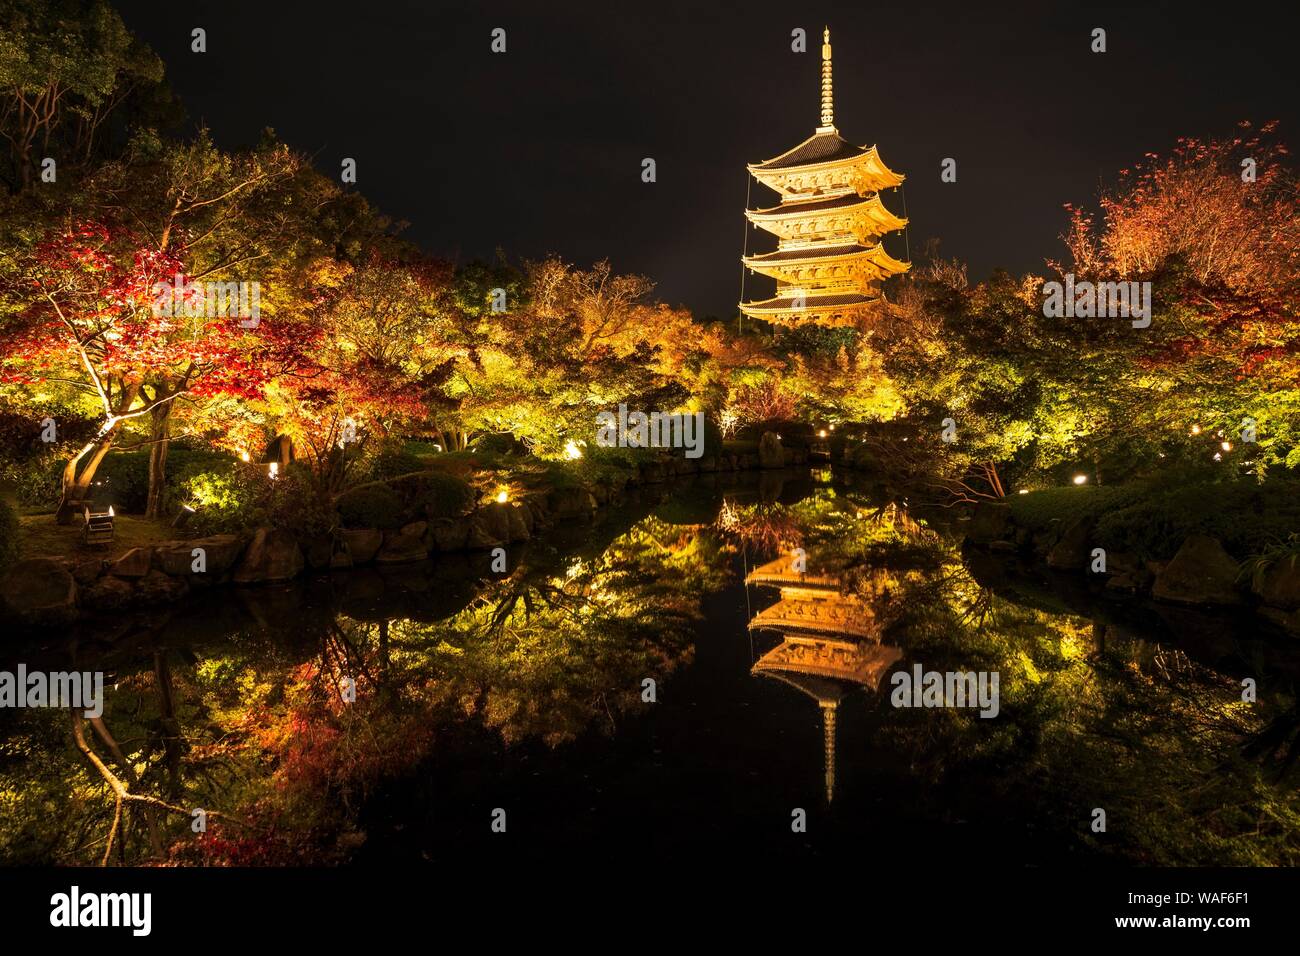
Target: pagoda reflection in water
pixel 830 643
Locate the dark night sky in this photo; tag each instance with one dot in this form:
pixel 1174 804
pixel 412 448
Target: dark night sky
pixel 539 150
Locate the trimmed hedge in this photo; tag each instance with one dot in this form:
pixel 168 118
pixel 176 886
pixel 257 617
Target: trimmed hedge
pixel 393 462
pixel 435 494
pixel 429 494
pixel 377 506
pixel 794 434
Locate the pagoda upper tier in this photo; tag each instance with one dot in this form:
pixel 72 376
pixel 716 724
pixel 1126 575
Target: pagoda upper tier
pixel 829 263
pixel 862 217
pixel 826 163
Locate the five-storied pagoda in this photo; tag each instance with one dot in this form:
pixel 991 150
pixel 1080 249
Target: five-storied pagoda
pixel 829 263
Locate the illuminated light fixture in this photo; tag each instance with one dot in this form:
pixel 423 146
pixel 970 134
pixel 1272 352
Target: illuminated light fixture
pixel 571 450
pixel 1226 446
pixel 502 496
pixel 273 470
pixel 1196 429
pixel 832 428
pixel 1080 479
pixel 1218 457
pixel 182 516
pixel 1024 491
pixel 822 433
pixel 245 456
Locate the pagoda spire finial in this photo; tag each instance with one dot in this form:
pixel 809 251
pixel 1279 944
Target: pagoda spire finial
pixel 828 101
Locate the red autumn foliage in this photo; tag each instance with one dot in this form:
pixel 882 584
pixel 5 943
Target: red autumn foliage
pixel 93 292
pixel 1216 224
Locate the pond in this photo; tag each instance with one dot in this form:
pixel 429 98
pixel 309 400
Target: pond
pixel 718 666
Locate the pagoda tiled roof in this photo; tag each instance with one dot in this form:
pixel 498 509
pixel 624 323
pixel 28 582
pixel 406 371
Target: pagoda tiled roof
pixel 811 302
pixel 820 251
pixel 817 204
pixel 818 148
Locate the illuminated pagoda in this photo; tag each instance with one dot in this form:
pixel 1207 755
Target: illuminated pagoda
pixel 829 644
pixel 829 262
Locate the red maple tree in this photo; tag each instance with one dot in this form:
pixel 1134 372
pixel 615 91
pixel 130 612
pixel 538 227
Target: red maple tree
pixel 94 323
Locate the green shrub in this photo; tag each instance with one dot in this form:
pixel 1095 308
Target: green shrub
pixel 225 490
pixel 122 480
pixel 295 503
pixel 31 467
pixel 628 459
pixel 465 463
pixel 498 445
pixel 392 462
pixel 235 497
pixel 610 474
pixel 438 495
pixel 8 534
pixel 609 470
pixel 421 448
pixel 36 482
pixel 432 494
pixel 793 433
pixel 375 506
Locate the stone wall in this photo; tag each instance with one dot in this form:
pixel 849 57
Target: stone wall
pixel 49 592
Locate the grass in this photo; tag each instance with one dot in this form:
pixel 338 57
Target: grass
pixel 40 537
pixel 1249 518
pixel 1152 520
pixel 1037 509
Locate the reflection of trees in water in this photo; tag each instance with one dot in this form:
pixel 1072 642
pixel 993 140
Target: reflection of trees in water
pixel 545 655
pixel 1132 726
pixel 763 527
pixel 1188 773
pixel 253 725
pixel 256 731
pixel 120 787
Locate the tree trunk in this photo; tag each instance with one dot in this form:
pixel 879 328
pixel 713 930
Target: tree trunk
pixel 171 727
pixel 281 451
pixel 160 435
pixel 76 488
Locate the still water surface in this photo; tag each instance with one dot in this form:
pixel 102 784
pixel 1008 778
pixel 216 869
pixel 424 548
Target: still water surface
pixel 528 693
